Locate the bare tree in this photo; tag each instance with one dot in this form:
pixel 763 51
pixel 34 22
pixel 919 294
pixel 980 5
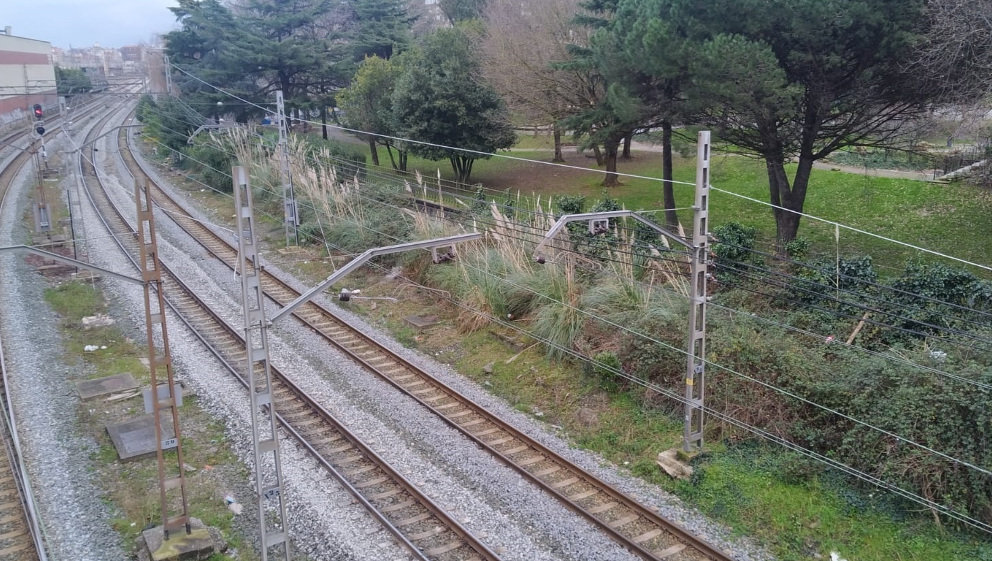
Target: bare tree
pixel 524 50
pixel 958 49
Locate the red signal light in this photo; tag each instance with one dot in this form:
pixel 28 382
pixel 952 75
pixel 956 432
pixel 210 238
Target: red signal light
pixel 39 113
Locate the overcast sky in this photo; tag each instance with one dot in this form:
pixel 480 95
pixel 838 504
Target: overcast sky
pixel 82 23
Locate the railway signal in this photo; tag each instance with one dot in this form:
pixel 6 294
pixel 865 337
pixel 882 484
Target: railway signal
pixel 39 115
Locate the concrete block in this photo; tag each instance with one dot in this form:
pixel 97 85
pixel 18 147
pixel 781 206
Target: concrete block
pixel 136 437
pixel 199 544
pixel 88 389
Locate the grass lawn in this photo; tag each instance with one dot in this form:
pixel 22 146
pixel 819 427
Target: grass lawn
pixel 954 219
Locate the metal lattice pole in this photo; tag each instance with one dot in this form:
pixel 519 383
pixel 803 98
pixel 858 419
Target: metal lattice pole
pixel 168 74
pixel 695 376
pixel 151 276
pixel 265 436
pixel 288 197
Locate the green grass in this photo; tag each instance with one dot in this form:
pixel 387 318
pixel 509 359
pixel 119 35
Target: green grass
pixel 74 300
pixel 942 218
pixel 747 489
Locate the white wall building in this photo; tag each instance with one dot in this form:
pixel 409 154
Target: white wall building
pixel 27 77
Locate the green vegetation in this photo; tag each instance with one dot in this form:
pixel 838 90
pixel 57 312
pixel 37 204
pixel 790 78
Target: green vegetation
pixel 72 81
pixel 778 84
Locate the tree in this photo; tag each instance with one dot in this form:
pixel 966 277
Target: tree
pixel 608 114
pixel 201 48
pixel 524 53
pixel 957 50
pixel 72 81
pixel 368 105
pixel 795 80
pixel 383 28
pixel 644 48
pixel 441 99
pixel 462 10
pixel 283 49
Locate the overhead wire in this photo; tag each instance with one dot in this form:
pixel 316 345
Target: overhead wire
pixel 830 462
pixel 860 280
pixel 862 307
pixel 562 248
pixel 950 458
pixel 725 368
pixel 853 229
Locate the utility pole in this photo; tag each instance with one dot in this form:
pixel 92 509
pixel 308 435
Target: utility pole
pixel 151 274
pixel 265 436
pixel 695 376
pixel 168 74
pixel 289 200
pixel 42 219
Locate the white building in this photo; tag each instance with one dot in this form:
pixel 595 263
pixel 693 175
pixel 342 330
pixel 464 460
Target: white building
pixel 27 77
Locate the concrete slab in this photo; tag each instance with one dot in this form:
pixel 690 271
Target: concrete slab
pixel 200 543
pixel 421 322
pixel 88 389
pixel 136 437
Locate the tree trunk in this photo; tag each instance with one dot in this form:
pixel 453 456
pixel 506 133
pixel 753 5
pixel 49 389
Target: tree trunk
pixel 403 158
pixel 323 121
pixel 462 166
pixel 788 200
pixel 627 140
pixel 600 160
pixel 671 218
pixel 373 151
pixel 559 158
pixel 611 147
pixel 389 150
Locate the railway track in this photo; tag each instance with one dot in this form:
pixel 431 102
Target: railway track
pixel 20 532
pixel 639 528
pixel 424 528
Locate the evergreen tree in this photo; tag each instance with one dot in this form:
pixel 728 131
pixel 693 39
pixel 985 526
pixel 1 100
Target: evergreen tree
pixel 382 28
pixel 610 113
pixel 441 99
pixel 795 80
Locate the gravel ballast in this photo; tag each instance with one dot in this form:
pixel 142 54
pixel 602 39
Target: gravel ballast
pixel 498 505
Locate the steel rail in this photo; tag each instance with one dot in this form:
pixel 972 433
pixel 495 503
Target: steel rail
pixel 637 527
pixel 23 534
pixel 393 513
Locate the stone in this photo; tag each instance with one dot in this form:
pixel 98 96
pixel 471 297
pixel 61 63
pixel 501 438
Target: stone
pixel 118 383
pixel 488 368
pixel 675 468
pixel 199 544
pixel 99 320
pixel 421 321
pixel 587 417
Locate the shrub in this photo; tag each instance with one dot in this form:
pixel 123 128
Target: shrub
pixel 797 249
pixel 733 251
pixel 606 367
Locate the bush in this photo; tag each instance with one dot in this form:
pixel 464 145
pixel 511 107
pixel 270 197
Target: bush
pixel 211 165
pixel 606 367
pixel 734 251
